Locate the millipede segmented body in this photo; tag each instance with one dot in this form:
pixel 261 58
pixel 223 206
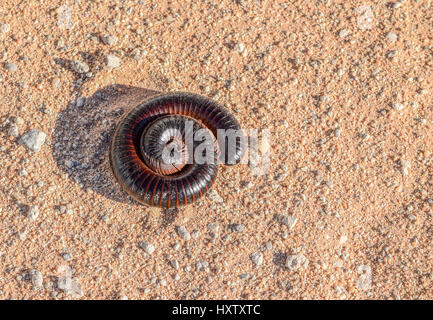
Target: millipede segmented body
pixel 143 135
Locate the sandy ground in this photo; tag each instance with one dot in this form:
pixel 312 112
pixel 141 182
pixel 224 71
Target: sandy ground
pixel 344 212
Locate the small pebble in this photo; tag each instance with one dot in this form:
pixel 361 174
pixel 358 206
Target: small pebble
pixel 175 264
pixel 239 47
pixel 289 221
pixel 12 67
pixel 147 247
pixel 296 262
pixel 19 121
pixel 398 106
pixel 340 72
pixel 343 33
pixel 33 140
pixel 80 66
pixel 183 233
pixel 238 227
pixel 405 165
pixel 13 131
pixel 33 213
pixel 397 4
pixel 214 196
pixel 80 102
pixel 109 40
pixel 67 256
pixel 257 258
pixel 112 61
pixel 391 36
pixel 364 280
pixel 5 28
pixel 36 278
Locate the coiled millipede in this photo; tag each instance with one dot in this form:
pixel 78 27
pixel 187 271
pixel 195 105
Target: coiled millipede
pixel 157 125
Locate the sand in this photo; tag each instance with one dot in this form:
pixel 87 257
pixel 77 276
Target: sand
pixel 343 212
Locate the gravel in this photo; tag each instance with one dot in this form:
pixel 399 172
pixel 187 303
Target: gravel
pixel 391 36
pixel 239 47
pixel 33 213
pixel 112 61
pixel 33 140
pixel 183 233
pixel 237 227
pixel 67 256
pixel 214 196
pixel 36 278
pixel 405 166
pixel 364 280
pixel 5 28
pixel 296 261
pixel 147 247
pixel 109 40
pixel 257 258
pixel 343 33
pixel 289 221
pixel 175 264
pixel 398 106
pixel 80 66
pixel 11 67
pixel 13 131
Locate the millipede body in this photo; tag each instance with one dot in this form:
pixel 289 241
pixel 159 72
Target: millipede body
pixel 160 123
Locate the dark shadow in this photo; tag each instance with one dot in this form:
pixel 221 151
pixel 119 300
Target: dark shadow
pixel 82 135
pixel 279 259
pixel 168 217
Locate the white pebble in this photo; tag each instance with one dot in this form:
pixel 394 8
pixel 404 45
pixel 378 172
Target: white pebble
pixel 33 213
pixel 391 36
pixel 147 247
pixel 257 258
pixel 112 61
pixel 33 140
pixel 343 33
pixel 109 40
pixel 183 233
pixel 296 261
pixel 5 28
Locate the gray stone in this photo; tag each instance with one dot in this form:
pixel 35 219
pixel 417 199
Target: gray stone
pixel 289 221
pixel 36 278
pixel 67 256
pixel 147 247
pixel 13 131
pixel 109 40
pixel 33 140
pixel 296 261
pixel 257 258
pixel 183 233
pixel 12 67
pixel 175 264
pixel 364 280
pixel 80 66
